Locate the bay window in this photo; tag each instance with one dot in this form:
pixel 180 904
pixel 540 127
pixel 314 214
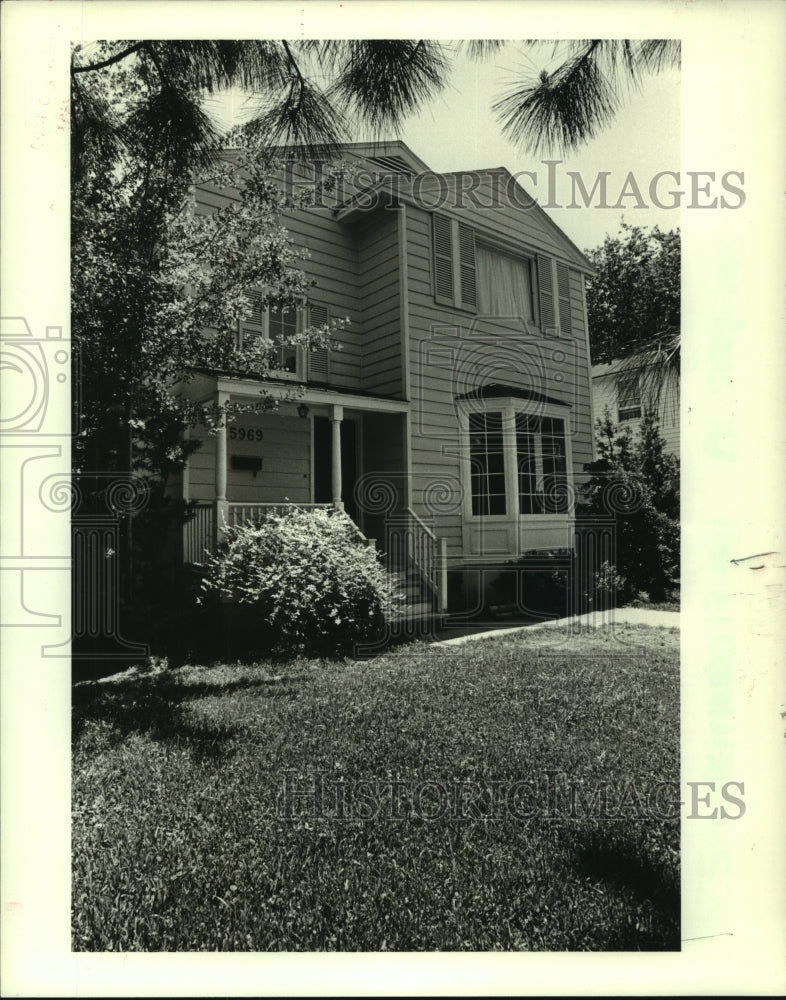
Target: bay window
pixel 541 455
pixel 518 460
pixel 487 463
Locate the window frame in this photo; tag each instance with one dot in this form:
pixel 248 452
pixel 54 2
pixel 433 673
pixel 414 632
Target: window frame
pixel 509 407
pixel 263 330
pixel 632 411
pixel 550 277
pixel 529 258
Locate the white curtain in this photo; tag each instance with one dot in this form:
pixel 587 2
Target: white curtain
pixel 503 284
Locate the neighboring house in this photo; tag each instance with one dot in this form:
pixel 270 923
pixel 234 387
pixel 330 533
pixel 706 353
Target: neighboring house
pixel 454 420
pixel 622 389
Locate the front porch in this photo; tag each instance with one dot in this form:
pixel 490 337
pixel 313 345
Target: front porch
pixel 321 450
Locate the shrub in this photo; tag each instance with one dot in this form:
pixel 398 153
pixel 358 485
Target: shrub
pixel 312 583
pixel 637 482
pixel 535 583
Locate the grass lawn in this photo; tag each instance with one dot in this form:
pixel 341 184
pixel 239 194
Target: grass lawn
pixel 456 809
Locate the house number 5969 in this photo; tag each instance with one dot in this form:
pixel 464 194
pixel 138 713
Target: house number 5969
pixel 245 434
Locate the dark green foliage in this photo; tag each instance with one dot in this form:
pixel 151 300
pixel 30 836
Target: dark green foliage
pixel 633 302
pixel 535 585
pixel 308 579
pixel 637 483
pixel 181 842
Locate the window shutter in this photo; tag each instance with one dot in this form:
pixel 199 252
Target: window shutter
pixel 252 327
pixel 319 360
pixel 467 257
pixel 442 239
pixel 563 290
pixel 545 292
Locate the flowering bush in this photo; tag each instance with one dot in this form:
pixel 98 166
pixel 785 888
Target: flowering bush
pixel 312 583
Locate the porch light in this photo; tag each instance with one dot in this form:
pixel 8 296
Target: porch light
pixel 302 411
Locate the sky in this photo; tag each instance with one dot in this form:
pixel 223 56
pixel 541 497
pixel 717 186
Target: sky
pixel 457 130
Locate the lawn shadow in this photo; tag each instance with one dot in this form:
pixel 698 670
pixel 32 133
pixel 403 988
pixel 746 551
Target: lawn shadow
pixel 158 707
pixel 625 869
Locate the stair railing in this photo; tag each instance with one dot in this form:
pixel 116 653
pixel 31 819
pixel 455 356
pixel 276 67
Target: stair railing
pixel 413 545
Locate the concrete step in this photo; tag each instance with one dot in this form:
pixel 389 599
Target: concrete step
pixel 402 577
pixel 423 609
pixel 410 586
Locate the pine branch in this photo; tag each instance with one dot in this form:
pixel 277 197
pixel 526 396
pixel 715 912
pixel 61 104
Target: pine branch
pixel 116 58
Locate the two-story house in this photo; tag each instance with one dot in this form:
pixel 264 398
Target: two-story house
pixel 456 414
pixel 620 388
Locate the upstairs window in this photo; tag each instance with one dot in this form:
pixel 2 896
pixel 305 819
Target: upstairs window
pixel 288 362
pixel 628 396
pixel 493 281
pixel 272 325
pixel 283 323
pixel 504 284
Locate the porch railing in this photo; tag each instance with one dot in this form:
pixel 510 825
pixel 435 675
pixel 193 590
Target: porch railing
pixel 199 533
pixel 242 513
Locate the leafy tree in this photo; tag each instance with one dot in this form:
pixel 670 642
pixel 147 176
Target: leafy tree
pixel 150 277
pixel 638 482
pixel 634 299
pixel 633 305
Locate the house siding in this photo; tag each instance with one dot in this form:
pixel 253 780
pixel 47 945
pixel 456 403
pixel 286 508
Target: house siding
pixel 377 241
pixel 454 352
pixel 363 272
pixel 331 263
pixel 605 395
pixel 285 450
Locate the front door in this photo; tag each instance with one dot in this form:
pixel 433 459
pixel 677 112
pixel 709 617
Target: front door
pixel 322 463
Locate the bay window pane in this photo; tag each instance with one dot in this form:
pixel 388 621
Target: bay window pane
pixel 555 469
pixel 527 428
pixel 487 463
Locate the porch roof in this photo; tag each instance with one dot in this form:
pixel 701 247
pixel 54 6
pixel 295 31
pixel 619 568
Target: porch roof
pixel 286 390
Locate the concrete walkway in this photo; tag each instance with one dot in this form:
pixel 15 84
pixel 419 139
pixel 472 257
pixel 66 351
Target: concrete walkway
pixel 595 619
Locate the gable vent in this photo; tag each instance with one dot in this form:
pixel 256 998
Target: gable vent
pixel 392 164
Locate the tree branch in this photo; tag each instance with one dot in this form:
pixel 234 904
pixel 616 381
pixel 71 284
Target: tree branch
pixel 292 62
pixel 91 67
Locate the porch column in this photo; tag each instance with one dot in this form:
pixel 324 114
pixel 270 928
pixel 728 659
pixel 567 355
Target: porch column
pixel 220 506
pixel 336 416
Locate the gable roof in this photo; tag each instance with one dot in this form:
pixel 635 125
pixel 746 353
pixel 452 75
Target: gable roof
pixel 395 158
pixel 391 155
